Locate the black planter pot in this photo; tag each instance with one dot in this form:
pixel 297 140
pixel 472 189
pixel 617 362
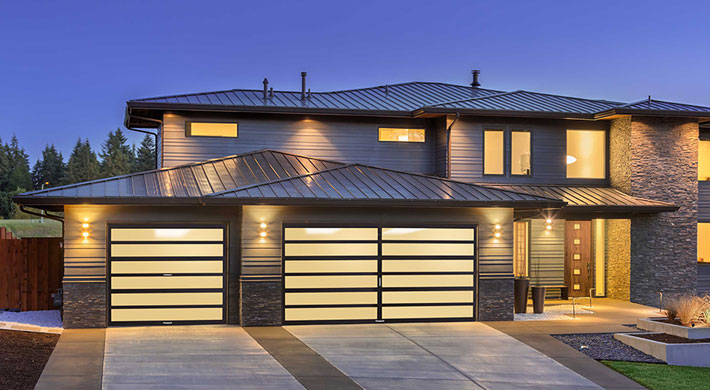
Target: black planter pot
pixel 538 298
pixel 521 286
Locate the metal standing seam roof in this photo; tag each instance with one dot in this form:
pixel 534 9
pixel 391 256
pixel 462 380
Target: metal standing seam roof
pixel 357 182
pixel 590 198
pixel 659 105
pixel 397 97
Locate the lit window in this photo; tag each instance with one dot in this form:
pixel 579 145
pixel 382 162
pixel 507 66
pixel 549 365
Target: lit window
pixel 519 152
pixel 520 245
pixel 704 160
pixel 586 154
pixel 704 242
pixel 388 134
pixel 211 129
pixel 493 152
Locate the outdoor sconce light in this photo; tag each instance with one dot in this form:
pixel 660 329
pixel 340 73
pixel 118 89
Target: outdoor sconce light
pixel 263 230
pixel 548 224
pixel 85 230
pixel 497 231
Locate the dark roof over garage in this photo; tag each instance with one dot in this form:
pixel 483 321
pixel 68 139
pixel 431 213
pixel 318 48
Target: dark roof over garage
pixel 235 180
pixel 412 99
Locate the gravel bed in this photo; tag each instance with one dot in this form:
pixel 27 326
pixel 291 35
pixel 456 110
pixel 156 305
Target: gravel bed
pixel 23 356
pixel 603 346
pixel 47 318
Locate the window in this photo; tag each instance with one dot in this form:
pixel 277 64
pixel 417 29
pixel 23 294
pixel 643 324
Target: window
pixel 388 134
pixel 704 160
pixel 211 129
pixel 520 152
pixel 586 154
pixel 521 244
pixel 493 152
pixel 704 242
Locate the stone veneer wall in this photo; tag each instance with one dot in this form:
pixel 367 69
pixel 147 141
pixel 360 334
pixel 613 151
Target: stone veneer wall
pixel 84 305
pixel 495 300
pixel 656 158
pixel 618 258
pixel 261 303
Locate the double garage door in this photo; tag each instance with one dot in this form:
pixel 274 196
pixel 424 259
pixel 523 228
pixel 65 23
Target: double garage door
pixel 166 275
pixel 378 274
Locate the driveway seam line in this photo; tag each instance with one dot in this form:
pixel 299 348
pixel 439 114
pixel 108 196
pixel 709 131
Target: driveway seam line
pixel 439 358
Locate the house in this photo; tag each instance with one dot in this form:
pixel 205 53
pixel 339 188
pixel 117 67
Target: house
pixel 407 202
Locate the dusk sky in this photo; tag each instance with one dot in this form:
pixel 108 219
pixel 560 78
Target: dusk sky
pixel 67 67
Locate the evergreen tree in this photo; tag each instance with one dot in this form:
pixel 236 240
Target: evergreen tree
pixel 83 164
pixel 50 169
pixel 116 156
pixel 14 175
pixel 145 157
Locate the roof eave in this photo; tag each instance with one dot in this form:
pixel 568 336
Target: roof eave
pixel 510 113
pixel 622 209
pixel 661 113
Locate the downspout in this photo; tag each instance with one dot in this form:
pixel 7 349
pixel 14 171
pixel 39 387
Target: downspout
pixel 46 215
pixel 448 145
pixel 155 135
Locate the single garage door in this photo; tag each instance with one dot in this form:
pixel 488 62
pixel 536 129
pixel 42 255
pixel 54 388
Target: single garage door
pixel 377 274
pixel 167 275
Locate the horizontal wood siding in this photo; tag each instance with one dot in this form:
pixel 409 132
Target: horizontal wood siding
pixel 703 279
pixel 341 139
pixel 547 252
pixel 549 149
pixel 85 261
pixel 704 201
pixel 261 259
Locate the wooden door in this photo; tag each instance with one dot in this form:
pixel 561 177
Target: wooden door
pixel 578 257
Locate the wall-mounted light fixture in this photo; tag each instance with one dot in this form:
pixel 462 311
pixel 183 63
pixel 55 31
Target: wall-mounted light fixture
pixel 263 231
pixel 548 224
pixel 496 231
pixel 85 228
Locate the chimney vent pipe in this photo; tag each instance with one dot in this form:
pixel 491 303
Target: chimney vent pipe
pixel 266 87
pixel 303 85
pixel 475 83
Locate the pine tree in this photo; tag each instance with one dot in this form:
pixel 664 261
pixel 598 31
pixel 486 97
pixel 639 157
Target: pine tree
pixel 83 164
pixel 50 169
pixel 116 156
pixel 14 175
pixel 145 157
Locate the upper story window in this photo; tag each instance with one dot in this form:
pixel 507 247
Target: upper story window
pixel 520 152
pixel 493 152
pixel 704 242
pixel 704 160
pixel 586 154
pixel 388 134
pixel 211 129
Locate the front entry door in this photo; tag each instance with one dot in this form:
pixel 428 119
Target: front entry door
pixel 578 257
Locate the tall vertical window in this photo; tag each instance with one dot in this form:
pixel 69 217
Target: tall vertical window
pixel 586 154
pixel 493 152
pixel 704 242
pixel 704 160
pixel 519 152
pixel 521 246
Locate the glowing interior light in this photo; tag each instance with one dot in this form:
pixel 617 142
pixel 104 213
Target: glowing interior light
pixel 571 159
pixel 171 233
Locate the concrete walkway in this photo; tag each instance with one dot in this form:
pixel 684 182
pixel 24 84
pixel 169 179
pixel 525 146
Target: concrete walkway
pixel 436 356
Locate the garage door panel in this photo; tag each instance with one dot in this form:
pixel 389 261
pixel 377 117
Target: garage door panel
pixel 167 234
pixel 166 299
pixel 427 297
pixel 333 281
pixel 330 313
pixel 330 234
pixel 426 249
pixel 428 234
pixel 419 312
pixel 321 249
pixel 167 250
pixel 167 314
pixel 332 298
pixel 330 266
pixel 166 267
pixel 428 265
pixel 430 280
pixel 166 282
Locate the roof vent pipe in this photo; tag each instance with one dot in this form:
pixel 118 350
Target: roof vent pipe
pixel 266 87
pixel 303 85
pixel 475 83
pixel 271 93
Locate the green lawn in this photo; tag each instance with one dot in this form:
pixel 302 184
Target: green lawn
pixel 663 377
pixel 32 227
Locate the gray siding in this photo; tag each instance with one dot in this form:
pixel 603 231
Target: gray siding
pixel 548 150
pixel 703 279
pixel 262 260
pixel 547 252
pixel 339 139
pixel 704 201
pixel 440 147
pixel 159 147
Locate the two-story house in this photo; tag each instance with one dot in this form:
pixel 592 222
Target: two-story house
pixel 408 202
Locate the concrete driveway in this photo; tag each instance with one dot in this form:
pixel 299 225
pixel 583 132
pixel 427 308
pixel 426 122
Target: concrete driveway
pixel 436 356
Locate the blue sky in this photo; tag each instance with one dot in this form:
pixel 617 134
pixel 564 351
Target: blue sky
pixel 67 67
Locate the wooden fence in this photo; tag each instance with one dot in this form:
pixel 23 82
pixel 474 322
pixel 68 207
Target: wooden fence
pixel 31 270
